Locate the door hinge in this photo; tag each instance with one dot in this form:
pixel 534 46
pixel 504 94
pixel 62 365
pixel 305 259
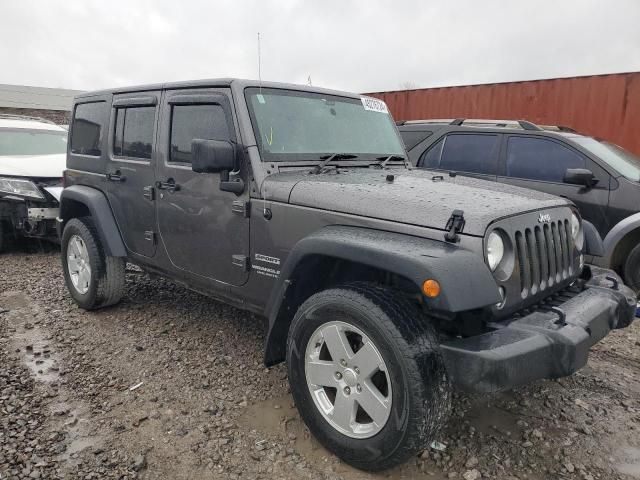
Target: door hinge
pixel 241 261
pixel 149 192
pixel 455 225
pixel 150 236
pixel 241 207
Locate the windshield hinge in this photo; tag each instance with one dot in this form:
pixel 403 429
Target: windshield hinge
pixel 455 225
pixel 241 207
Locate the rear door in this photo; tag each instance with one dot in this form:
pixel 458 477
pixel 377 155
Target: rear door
pixel 130 168
pixel 201 230
pixel 540 163
pixel 474 154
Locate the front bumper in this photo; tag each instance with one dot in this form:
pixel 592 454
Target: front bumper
pixel 550 342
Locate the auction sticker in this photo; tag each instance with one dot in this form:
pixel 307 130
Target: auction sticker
pixel 374 105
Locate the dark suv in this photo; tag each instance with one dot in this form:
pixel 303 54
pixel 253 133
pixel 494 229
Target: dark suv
pixel 384 286
pixel 601 178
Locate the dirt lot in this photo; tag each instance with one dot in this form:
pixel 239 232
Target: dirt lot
pixel 205 406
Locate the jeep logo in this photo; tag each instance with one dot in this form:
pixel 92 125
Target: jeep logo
pixel 544 218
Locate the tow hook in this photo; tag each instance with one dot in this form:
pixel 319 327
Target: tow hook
pixel 455 225
pixel 614 281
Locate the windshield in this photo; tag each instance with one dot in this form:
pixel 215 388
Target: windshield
pixel 21 141
pixel 623 161
pixel 291 125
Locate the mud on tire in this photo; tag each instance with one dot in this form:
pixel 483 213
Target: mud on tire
pixel 409 347
pixel 107 278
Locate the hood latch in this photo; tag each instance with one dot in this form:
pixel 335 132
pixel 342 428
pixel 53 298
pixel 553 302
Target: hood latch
pixel 455 225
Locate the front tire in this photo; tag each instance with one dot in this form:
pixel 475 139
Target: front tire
pixel 631 269
pixel 94 279
pixel 367 375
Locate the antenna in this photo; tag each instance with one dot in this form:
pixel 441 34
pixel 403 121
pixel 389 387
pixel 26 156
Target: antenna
pixel 259 64
pixel 309 81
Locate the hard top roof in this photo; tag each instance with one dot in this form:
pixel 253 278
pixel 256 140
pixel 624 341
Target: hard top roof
pixel 217 82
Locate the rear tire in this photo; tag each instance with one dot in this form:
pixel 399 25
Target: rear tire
pixel 404 344
pixel 631 269
pixel 2 236
pixel 94 279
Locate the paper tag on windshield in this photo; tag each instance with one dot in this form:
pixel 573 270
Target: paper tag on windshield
pixel 374 105
pixel 260 98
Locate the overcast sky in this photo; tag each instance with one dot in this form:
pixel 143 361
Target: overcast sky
pixel 360 46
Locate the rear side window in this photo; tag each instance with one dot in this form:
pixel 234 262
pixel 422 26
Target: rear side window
pixel 188 122
pixel 411 138
pixel 540 159
pixel 134 132
pixel 87 127
pixel 464 153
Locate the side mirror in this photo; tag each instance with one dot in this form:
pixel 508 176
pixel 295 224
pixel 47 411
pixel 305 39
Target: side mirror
pixel 580 176
pixel 216 156
pixel 212 156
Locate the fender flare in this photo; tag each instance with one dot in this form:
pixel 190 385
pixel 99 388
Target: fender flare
pixel 100 210
pixel 465 280
pixel 593 244
pixel 617 233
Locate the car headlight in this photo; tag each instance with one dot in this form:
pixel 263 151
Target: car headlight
pixel 577 232
pixel 495 250
pixel 19 187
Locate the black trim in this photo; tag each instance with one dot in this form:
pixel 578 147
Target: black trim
pixel 147 101
pixel 101 213
pixel 466 282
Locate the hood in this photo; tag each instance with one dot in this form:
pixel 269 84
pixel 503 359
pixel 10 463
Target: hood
pixel 415 197
pixel 44 166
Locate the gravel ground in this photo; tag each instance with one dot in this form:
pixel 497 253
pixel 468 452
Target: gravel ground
pixel 170 385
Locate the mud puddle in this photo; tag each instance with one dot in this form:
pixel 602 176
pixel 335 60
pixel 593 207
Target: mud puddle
pixel 34 343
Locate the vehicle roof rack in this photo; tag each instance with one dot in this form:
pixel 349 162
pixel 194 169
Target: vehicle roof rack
pixel 559 128
pixel 11 116
pixel 522 124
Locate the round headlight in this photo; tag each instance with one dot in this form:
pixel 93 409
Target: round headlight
pixel 576 231
pixel 495 250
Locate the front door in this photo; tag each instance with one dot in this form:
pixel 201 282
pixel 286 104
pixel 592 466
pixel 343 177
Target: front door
pixel 199 227
pixel 540 164
pixel 130 169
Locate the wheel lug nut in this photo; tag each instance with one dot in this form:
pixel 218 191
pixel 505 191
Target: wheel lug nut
pixel 343 362
pixel 357 370
pixel 338 375
pixel 347 390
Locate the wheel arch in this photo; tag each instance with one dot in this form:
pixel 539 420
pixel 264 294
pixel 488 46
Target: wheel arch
pixel 339 254
pixel 78 201
pixel 621 239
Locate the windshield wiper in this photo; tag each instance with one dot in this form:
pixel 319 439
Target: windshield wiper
pixel 326 159
pixel 387 159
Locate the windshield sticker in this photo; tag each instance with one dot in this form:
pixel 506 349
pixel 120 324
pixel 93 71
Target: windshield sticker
pixel 260 98
pixel 374 105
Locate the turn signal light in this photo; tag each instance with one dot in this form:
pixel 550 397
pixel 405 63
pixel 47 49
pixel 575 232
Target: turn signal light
pixel 431 288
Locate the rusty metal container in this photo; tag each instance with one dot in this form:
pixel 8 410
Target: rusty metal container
pixel 603 106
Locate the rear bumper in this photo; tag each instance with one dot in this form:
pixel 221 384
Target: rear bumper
pixel 542 344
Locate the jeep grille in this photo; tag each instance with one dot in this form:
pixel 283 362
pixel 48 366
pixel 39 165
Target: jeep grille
pixel 545 256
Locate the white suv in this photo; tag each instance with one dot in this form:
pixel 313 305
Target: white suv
pixel 32 159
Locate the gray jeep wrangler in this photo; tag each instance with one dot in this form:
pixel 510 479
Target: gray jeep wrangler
pixel 384 287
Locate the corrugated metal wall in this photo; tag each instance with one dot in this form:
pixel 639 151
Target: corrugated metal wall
pixel 605 106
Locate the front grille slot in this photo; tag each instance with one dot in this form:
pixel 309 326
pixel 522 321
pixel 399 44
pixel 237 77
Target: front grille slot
pixel 544 255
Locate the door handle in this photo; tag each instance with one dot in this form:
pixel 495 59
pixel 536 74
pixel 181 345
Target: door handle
pixel 170 185
pixel 115 177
